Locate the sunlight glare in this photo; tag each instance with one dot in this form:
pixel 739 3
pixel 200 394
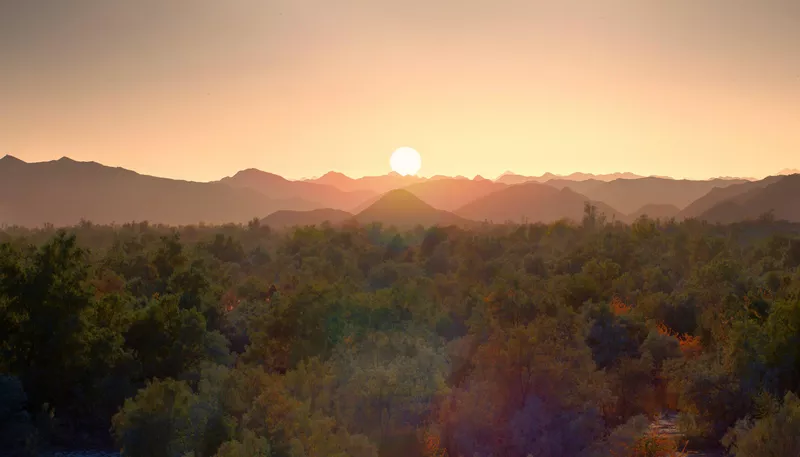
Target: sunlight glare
pixel 405 161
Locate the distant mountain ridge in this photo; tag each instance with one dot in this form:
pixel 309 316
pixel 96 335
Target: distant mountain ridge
pixel 533 202
pixel 628 195
pixel 63 192
pixel 403 209
pixel 374 184
pixel 777 196
pixel 512 178
pixel 399 208
pixel 720 194
pixel 450 194
pixel 278 187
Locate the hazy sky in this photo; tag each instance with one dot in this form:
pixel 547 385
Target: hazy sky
pixel 199 89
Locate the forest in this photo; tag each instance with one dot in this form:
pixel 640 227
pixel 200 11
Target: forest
pixel 545 340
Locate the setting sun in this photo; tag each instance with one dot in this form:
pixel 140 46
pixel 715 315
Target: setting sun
pixel 405 161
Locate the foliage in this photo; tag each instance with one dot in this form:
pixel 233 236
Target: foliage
pixel 776 433
pixel 503 340
pixel 156 422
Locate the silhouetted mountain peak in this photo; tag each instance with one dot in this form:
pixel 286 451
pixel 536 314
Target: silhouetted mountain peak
pixel 479 178
pixel 68 164
pixel 256 173
pixel 402 208
pixel 508 174
pixel 336 179
pixel 334 174
pixel 8 158
pixel 533 202
pixel 401 197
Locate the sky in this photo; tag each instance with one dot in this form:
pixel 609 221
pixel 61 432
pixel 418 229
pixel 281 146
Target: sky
pixel 199 89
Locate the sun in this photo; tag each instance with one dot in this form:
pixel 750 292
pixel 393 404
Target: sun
pixel 406 161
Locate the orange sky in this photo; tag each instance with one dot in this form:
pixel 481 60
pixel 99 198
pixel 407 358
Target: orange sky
pixel 199 89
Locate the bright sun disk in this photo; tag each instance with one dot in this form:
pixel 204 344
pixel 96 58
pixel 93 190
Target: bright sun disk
pixel 405 161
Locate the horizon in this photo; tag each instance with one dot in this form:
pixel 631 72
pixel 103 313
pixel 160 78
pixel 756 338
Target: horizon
pixel 684 89
pixel 424 176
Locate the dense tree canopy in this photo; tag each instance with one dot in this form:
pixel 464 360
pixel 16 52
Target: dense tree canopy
pixel 506 340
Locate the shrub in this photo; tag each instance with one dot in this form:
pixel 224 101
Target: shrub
pixel 154 422
pixel 776 434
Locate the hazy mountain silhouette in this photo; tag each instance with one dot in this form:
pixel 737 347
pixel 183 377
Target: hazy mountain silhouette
pixel 532 202
pixel 63 192
pixel 278 187
pixel 655 211
pixel 719 195
pixel 510 178
pixel 453 193
pixel 628 195
pixel 513 178
pixel 337 180
pixel 789 171
pixel 581 187
pixel 401 208
pixel 779 197
pixel 374 184
pixel 290 218
pixel 735 178
pixel 366 204
pixel 439 177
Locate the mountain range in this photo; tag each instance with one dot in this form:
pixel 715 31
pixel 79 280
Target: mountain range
pixel 532 202
pixel 513 178
pixel 63 192
pixel 317 193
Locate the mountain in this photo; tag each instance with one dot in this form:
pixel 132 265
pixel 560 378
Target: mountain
pixel 789 171
pixel 278 187
pixel 337 180
pixel 581 187
pixel 402 209
pixel 602 177
pixel 64 191
pixel 290 218
pixel 532 202
pixel 737 178
pixel 375 184
pixel 718 195
pixel 778 197
pixel 628 195
pixel 438 177
pixel 655 211
pixel 453 193
pixel 511 178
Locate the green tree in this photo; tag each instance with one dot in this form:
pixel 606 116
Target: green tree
pixel 776 434
pixel 157 422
